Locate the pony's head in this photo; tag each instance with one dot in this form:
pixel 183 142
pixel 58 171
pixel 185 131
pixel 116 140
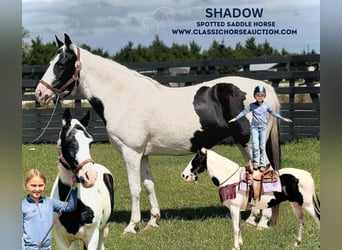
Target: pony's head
pixel 196 166
pixel 220 169
pixel 62 74
pixel 74 148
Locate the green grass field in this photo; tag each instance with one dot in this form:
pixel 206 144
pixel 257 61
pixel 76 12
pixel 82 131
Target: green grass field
pixel 192 216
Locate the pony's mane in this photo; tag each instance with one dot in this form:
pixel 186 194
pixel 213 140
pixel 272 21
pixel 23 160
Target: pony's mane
pixel 215 158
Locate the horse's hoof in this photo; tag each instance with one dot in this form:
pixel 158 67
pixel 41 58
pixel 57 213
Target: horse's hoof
pixel 129 230
pixel 149 226
pixel 126 232
pixel 251 223
pixel 297 243
pixel 152 224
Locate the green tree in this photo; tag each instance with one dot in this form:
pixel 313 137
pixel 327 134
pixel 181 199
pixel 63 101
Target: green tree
pixel 195 50
pixel 97 51
pixel 25 46
pixel 159 50
pixel 40 54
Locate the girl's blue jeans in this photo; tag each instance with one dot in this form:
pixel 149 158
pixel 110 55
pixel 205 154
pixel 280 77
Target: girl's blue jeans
pixel 258 133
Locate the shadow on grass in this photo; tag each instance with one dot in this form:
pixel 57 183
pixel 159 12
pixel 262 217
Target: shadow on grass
pixel 199 213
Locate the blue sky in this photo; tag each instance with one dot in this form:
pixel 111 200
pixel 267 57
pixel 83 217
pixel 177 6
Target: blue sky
pixel 112 24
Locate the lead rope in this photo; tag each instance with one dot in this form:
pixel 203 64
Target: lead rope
pixel 48 123
pixel 54 221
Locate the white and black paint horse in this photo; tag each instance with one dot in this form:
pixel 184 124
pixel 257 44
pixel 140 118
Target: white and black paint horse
pixel 297 187
pixel 143 117
pixel 88 223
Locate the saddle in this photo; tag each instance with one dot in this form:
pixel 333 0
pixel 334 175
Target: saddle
pixel 255 180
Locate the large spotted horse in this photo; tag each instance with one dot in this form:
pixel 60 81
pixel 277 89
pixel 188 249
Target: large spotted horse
pixel 296 186
pixel 143 117
pixel 88 223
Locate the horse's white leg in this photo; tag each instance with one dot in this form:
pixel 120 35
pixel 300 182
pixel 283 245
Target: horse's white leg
pixel 61 242
pixel 75 245
pixel 133 160
pixel 310 208
pixel 300 216
pixel 265 216
pixel 147 179
pixel 102 234
pixel 235 215
pixel 92 239
pixel 255 213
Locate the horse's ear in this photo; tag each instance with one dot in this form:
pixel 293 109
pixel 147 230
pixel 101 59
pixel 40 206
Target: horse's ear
pixel 59 42
pixel 85 119
pixel 66 117
pixel 67 40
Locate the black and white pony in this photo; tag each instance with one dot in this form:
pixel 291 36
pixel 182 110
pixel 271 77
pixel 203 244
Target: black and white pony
pixel 88 223
pixel 297 187
pixel 143 117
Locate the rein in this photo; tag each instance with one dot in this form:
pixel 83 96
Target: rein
pixel 230 176
pixel 75 78
pixel 48 123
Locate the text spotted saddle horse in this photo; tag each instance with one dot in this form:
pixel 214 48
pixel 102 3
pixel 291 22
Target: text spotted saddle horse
pixel 256 182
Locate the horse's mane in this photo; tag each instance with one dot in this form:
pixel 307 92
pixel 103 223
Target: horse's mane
pixel 122 68
pixel 218 159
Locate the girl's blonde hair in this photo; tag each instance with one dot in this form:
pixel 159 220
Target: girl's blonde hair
pixel 34 172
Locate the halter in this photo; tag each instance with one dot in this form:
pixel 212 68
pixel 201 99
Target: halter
pixel 74 78
pixel 78 167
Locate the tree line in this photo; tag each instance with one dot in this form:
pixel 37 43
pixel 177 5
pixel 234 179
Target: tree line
pixel 36 52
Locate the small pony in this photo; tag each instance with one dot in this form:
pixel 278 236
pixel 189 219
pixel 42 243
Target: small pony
pixel 297 187
pixel 95 204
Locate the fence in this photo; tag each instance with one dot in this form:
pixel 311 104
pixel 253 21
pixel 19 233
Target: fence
pixel 296 80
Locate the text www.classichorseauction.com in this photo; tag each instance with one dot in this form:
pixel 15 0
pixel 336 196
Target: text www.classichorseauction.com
pixel 234 31
pixel 216 24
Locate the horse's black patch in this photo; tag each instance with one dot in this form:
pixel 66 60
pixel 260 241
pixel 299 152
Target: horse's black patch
pixel 72 221
pixel 109 182
pixel 69 146
pixel 289 191
pixel 98 107
pixel 215 106
pixel 64 69
pixel 215 181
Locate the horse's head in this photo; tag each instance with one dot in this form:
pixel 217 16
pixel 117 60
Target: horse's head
pixel 74 148
pixel 196 166
pixel 62 73
pixel 220 169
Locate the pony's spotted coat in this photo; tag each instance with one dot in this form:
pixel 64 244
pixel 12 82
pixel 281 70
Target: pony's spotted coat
pixel 298 188
pixel 95 204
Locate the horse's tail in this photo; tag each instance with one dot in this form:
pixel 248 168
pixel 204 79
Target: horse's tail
pixel 274 155
pixel 317 205
pixel 275 215
pixel 273 145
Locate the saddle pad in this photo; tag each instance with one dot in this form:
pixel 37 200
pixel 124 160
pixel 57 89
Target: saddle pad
pixel 268 187
pixel 227 192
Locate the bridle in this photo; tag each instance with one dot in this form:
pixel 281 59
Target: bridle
pixel 74 78
pixel 64 162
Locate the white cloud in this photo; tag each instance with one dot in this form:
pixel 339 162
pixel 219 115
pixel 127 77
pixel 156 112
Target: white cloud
pixel 111 24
